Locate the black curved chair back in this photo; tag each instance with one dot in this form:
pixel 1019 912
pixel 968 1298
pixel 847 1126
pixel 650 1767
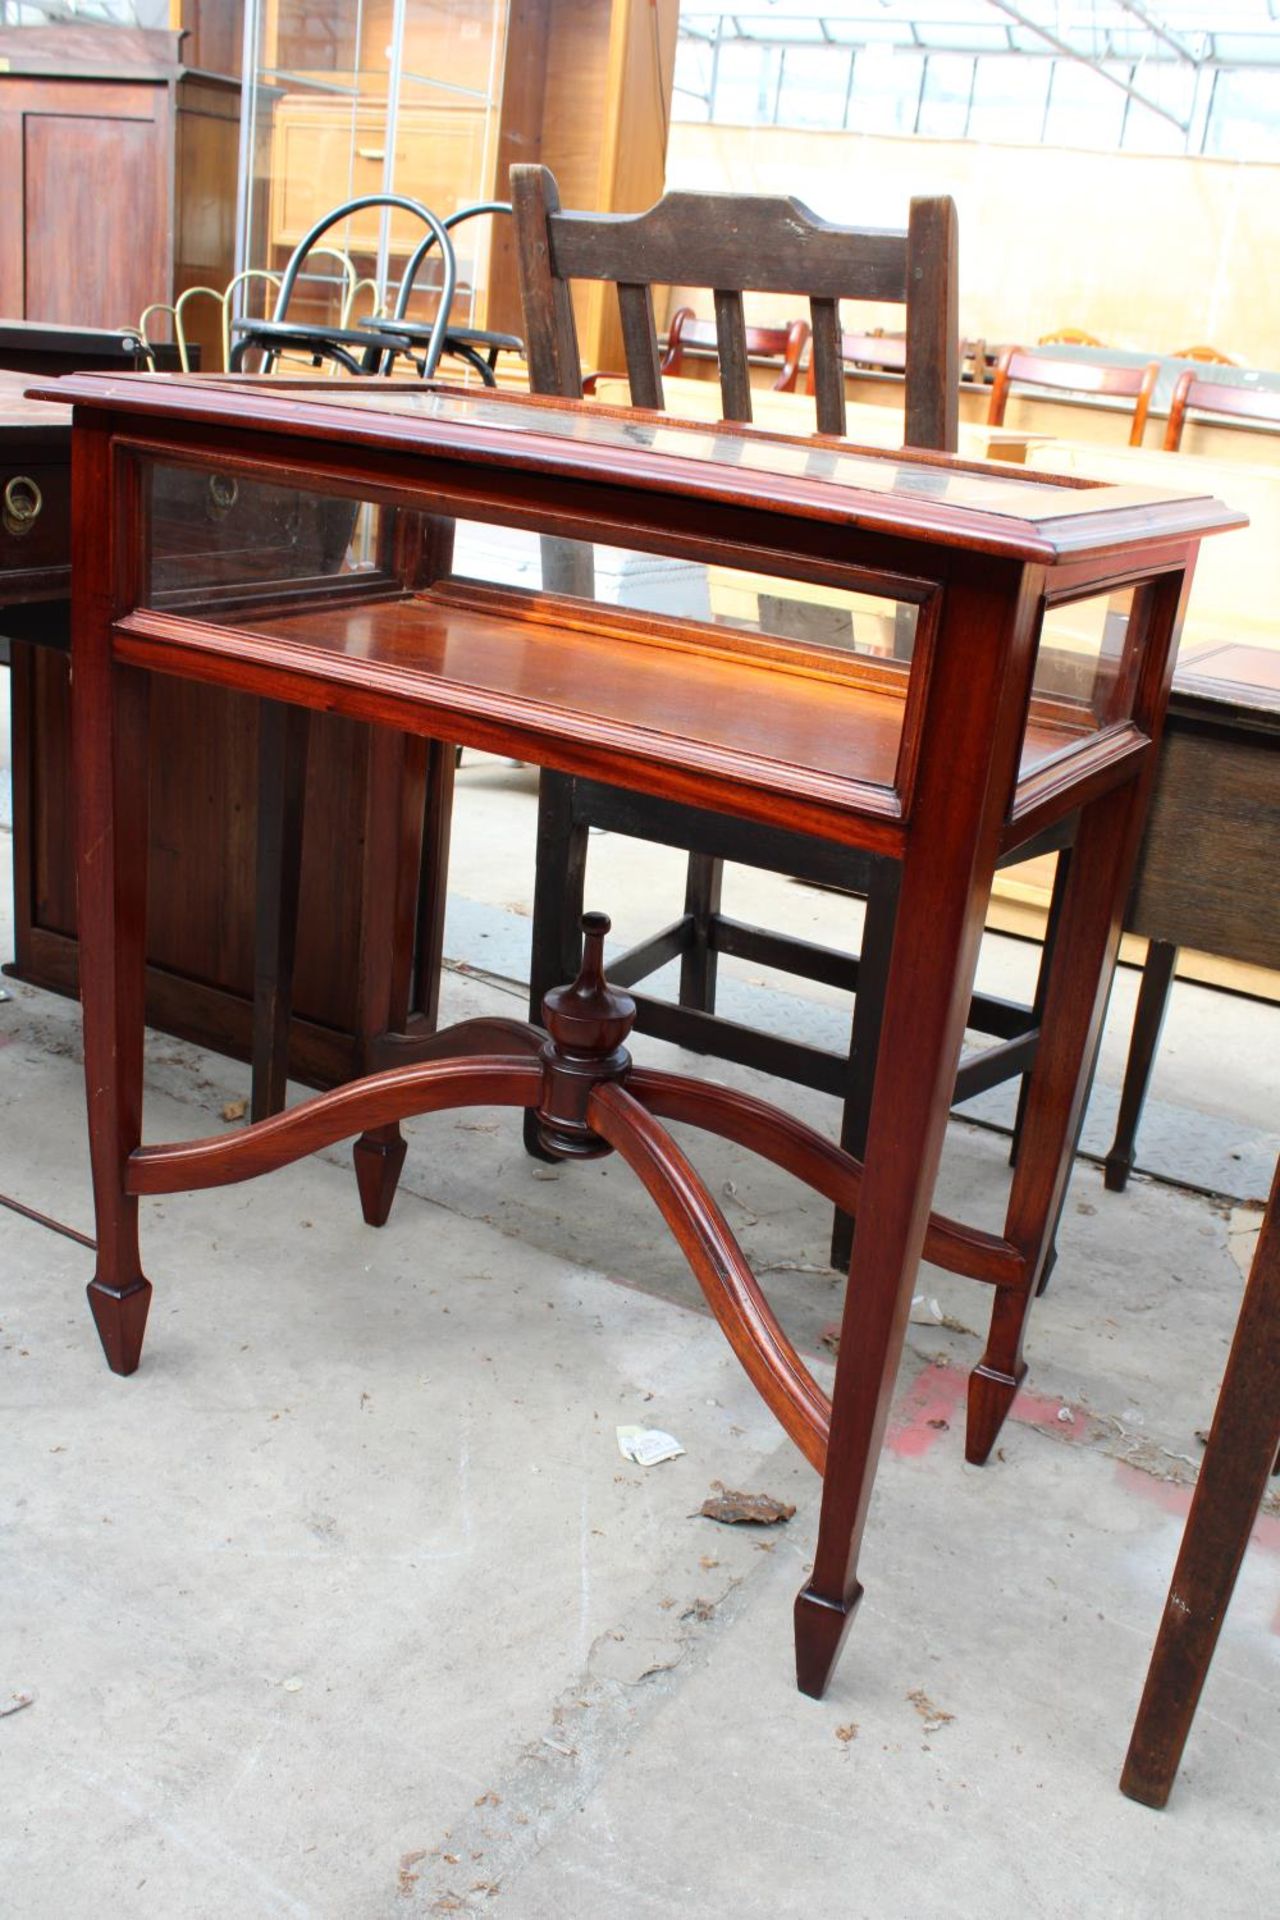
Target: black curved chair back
pixel 436 235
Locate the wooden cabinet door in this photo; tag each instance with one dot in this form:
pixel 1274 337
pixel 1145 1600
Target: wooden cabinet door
pixel 96 164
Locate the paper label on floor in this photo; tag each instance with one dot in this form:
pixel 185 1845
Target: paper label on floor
pixel 647 1446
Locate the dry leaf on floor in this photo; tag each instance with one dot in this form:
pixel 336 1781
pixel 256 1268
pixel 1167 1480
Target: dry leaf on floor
pixel 933 1717
pixel 235 1110
pixel 737 1509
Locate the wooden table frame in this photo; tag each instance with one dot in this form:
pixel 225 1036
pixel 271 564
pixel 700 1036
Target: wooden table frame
pixel 955 802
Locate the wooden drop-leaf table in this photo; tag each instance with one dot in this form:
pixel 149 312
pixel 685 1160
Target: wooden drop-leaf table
pixel 1005 665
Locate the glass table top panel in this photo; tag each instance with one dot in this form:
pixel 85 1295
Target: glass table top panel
pixel 978 490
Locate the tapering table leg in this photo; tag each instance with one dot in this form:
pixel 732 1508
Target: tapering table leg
pixel 284 734
pixel 392 849
pixel 947 869
pixel 924 1017
pixel 1075 1003
pixel 110 720
pixel 112 771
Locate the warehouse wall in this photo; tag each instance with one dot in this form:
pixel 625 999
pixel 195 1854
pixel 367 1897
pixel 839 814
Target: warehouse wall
pixel 1151 252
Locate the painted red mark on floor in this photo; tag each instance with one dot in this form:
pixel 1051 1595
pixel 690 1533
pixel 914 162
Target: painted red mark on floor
pixel 938 1393
pixel 935 1394
pixel 1174 1499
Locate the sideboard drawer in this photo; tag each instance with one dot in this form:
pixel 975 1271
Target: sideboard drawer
pixel 35 516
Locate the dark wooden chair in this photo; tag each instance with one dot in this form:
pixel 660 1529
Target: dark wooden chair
pixel 1022 366
pixel 768 343
pixel 1238 1459
pixel 1217 397
pixel 1230 402
pixel 735 244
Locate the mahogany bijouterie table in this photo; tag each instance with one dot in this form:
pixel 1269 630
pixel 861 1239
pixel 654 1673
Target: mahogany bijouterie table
pixel 1005 664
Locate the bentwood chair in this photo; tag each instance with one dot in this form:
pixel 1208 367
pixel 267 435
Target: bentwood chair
pixel 357 350
pixel 1020 367
pixel 737 243
pixel 477 347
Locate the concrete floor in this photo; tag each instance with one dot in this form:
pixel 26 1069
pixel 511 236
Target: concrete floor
pixel 347 1605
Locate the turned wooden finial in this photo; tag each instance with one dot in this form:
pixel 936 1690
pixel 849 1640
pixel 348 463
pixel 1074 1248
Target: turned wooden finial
pixel 590 1017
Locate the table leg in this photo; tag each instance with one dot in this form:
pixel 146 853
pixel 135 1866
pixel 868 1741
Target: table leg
pixel 1087 940
pixel 948 863
pixel 864 1043
pixel 112 771
pixel 392 854
pixel 284 734
pixel 1238 1459
pixel 433 885
pixel 926 1004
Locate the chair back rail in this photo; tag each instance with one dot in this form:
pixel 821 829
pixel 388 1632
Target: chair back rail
pixel 1022 366
pixel 732 244
pixel 1215 396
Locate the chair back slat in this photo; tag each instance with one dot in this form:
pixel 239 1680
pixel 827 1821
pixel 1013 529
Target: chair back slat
pixel 826 366
pixel 731 244
pixel 933 326
pixel 731 345
pixel 640 343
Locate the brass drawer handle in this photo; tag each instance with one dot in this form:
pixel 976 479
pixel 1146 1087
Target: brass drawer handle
pixel 22 503
pixel 371 153
pixel 224 491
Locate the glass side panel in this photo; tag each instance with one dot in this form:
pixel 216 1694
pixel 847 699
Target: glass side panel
pixel 809 616
pixel 1084 672
pixel 800 674
pixel 695 652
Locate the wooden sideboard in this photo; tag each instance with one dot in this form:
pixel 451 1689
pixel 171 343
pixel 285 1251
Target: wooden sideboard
pixel 200 981
pixel 122 170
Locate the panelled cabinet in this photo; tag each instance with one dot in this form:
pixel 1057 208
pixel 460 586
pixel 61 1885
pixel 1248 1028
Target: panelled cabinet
pixel 121 171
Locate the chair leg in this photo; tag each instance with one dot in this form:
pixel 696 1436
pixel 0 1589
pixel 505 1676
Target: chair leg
pixel 864 1045
pixel 704 882
pixel 560 878
pixel 1233 1478
pixel 394 799
pixel 283 739
pixel 1153 1004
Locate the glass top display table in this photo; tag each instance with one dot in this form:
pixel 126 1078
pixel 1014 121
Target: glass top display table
pixel 931 660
